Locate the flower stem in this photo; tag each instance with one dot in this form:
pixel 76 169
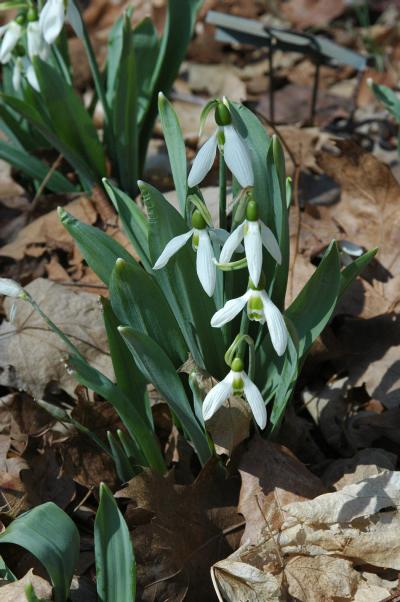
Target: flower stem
pixel 222 191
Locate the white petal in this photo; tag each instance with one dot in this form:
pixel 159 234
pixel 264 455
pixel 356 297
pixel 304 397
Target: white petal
pixel 276 325
pixel 16 75
pixel 205 266
pixel 256 401
pixel 220 236
pixel 34 38
pixel 32 78
pixel 270 242
pixel 237 157
pixel 171 248
pixel 10 41
pixel 52 19
pixel 216 397
pixel 230 310
pixel 232 243
pixel 10 288
pixel 203 161
pixel 253 249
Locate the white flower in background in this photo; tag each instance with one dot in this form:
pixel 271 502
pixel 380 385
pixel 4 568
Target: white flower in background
pixel 205 266
pixel 37 45
pixel 231 145
pixel 239 384
pixel 255 234
pixel 10 288
pixel 31 76
pixel 11 34
pixel 51 19
pixel 260 308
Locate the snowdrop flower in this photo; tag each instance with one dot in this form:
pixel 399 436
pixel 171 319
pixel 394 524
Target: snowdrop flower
pixel 37 46
pixel 255 234
pixel 11 34
pixel 236 383
pixel 51 19
pixel 32 77
pixel 205 266
pixel 10 288
pixel 261 309
pixel 231 145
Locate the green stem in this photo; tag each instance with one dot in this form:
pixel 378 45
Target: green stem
pixel 222 191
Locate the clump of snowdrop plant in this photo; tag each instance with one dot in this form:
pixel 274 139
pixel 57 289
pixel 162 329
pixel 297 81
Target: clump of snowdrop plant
pixel 199 312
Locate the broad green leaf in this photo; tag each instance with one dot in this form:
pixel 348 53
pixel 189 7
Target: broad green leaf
pixel 34 168
pixel 113 57
pixel 99 250
pixel 52 537
pixel 192 308
pixel 138 302
pixel 134 221
pixel 15 130
pixel 124 113
pixel 125 407
pixel 115 561
pixel 69 119
pixel 158 369
pixel 313 307
pixel 129 378
pixel 176 148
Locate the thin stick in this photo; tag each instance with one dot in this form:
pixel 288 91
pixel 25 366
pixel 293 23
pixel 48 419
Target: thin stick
pixel 44 183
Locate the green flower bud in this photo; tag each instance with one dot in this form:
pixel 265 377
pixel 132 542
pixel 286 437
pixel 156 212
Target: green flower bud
pixel 21 18
pixel 198 220
pixel 252 211
pixel 32 14
pixel 222 114
pixel 237 365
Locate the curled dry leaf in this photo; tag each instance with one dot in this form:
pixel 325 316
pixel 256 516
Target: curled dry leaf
pixel 37 355
pixel 15 592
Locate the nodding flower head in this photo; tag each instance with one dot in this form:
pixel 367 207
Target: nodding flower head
pixel 255 235
pixel 51 19
pixel 238 384
pixel 234 149
pixel 11 34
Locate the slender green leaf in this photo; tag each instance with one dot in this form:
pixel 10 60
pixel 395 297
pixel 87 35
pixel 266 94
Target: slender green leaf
pixel 115 38
pixel 138 302
pixel 123 466
pixel 50 535
pixel 129 378
pixel 69 118
pixel 350 272
pixel 126 409
pixel 158 369
pixel 146 43
pixel 99 250
pixel 176 148
pixel 124 112
pixel 115 561
pixel 134 221
pixel 34 168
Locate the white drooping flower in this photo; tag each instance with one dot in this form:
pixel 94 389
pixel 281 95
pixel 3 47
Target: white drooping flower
pixel 255 235
pixel 11 33
pixel 236 383
pixel 260 308
pixel 205 265
pixel 10 288
pixel 232 146
pixel 37 45
pixel 31 76
pixel 51 19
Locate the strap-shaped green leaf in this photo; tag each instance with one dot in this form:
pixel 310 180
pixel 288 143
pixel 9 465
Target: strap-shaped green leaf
pixel 34 168
pixel 354 269
pixel 115 561
pixel 158 369
pixel 134 423
pixel 138 302
pixel 69 119
pixel 99 250
pixel 49 534
pixel 313 307
pixel 146 43
pixel 176 148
